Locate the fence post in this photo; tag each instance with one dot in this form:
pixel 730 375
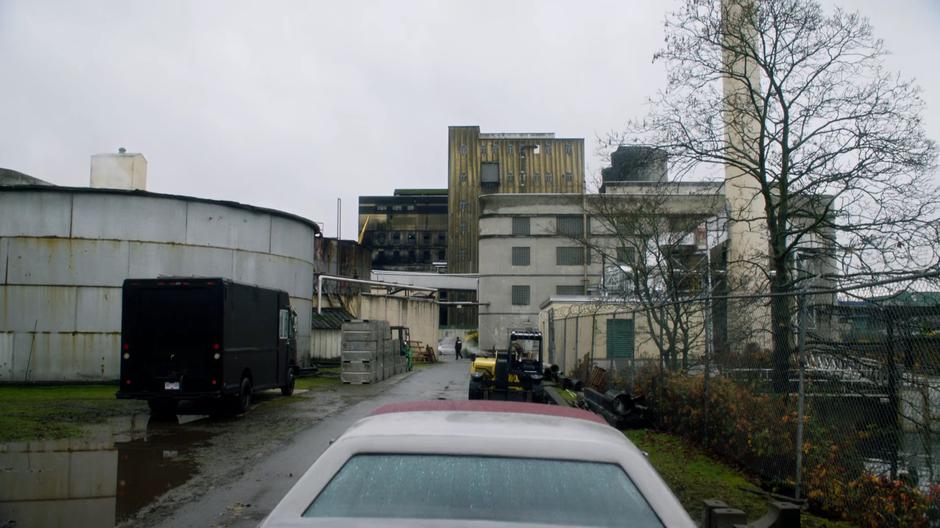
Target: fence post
pixel 801 344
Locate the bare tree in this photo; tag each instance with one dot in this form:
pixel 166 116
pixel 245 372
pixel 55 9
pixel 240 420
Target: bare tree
pixel 655 255
pixel 831 143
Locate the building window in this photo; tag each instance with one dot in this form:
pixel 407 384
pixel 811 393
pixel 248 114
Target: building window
pixel 396 237
pixel 463 176
pixel 548 148
pixel 536 178
pixel 568 149
pixel 520 225
pixel 569 290
pixel 396 208
pixel 509 149
pixel 520 256
pixel 483 149
pixel 410 208
pixel 521 178
pixel 425 256
pixel 463 205
pixel 380 208
pixel 569 256
pixel 509 178
pixel 489 173
pixel 549 179
pixel 461 254
pixel 412 237
pixel 441 254
pixel 570 225
pixel 441 238
pixel 495 150
pixel 395 256
pixel 380 237
pixel 626 255
pixel 463 149
pixel 569 177
pixel 520 295
pixel 463 227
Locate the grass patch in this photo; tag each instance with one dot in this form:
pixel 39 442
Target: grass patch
pixel 60 411
pixel 325 378
pixel 694 477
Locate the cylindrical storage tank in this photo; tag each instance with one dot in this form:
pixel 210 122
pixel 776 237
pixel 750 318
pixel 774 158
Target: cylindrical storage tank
pixel 64 253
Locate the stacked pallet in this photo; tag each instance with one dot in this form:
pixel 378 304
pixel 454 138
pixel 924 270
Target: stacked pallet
pixel 369 354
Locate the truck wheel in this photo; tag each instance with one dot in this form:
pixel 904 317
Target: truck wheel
pixel 242 400
pixel 288 388
pixel 162 407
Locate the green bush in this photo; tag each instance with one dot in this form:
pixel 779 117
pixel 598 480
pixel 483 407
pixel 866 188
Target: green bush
pixel 756 432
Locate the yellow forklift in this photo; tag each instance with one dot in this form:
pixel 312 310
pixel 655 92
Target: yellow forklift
pixel 514 374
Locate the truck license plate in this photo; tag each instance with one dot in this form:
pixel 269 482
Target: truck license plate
pixel 171 385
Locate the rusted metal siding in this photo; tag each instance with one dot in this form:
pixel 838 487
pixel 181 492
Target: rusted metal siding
pixel 64 254
pixel 561 159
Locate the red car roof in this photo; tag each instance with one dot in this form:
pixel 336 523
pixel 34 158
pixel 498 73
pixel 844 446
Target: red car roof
pixel 488 406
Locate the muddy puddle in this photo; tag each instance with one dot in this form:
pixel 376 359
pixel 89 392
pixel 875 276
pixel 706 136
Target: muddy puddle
pixel 101 479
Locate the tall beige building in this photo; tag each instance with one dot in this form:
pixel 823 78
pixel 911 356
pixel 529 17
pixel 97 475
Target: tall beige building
pixel 479 164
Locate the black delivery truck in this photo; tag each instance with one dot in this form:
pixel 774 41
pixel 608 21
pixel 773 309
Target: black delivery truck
pixel 204 339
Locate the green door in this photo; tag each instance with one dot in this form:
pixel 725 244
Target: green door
pixel 620 338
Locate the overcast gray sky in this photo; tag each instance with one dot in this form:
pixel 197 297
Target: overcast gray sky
pixel 292 104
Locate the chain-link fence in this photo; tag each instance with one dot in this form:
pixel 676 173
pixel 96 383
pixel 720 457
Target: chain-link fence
pixel 843 411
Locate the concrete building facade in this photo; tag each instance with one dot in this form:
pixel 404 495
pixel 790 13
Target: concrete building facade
pixel 539 246
pixel 65 252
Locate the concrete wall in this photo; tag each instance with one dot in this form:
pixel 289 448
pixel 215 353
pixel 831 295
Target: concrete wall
pixel 543 275
pixel 64 254
pixel 420 316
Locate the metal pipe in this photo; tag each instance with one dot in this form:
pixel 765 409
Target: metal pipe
pixel 801 344
pixel 321 278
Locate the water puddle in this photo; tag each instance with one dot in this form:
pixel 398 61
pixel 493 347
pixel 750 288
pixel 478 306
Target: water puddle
pixel 99 480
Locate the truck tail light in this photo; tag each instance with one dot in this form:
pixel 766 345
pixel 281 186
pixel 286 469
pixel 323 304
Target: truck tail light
pixel 127 382
pixel 214 382
pixel 126 346
pixel 216 346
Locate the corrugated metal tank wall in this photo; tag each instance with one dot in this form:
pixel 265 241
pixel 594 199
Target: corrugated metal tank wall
pixel 64 254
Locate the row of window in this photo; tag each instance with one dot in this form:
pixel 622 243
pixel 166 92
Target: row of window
pixel 407 237
pixel 566 225
pixel 406 257
pixel 564 256
pixel 494 149
pixel 569 256
pixel 522 295
pixel 491 177
pixel 395 208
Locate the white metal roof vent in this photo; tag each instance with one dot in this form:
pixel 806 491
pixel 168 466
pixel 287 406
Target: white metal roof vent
pixel 123 170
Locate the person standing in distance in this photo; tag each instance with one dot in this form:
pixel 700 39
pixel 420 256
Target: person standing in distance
pixel 457 346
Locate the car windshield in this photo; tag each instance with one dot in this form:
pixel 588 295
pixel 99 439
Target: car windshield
pixel 484 488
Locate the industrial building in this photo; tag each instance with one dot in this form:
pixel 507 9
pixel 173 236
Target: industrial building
pixel 406 231
pixel 538 247
pixel 489 163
